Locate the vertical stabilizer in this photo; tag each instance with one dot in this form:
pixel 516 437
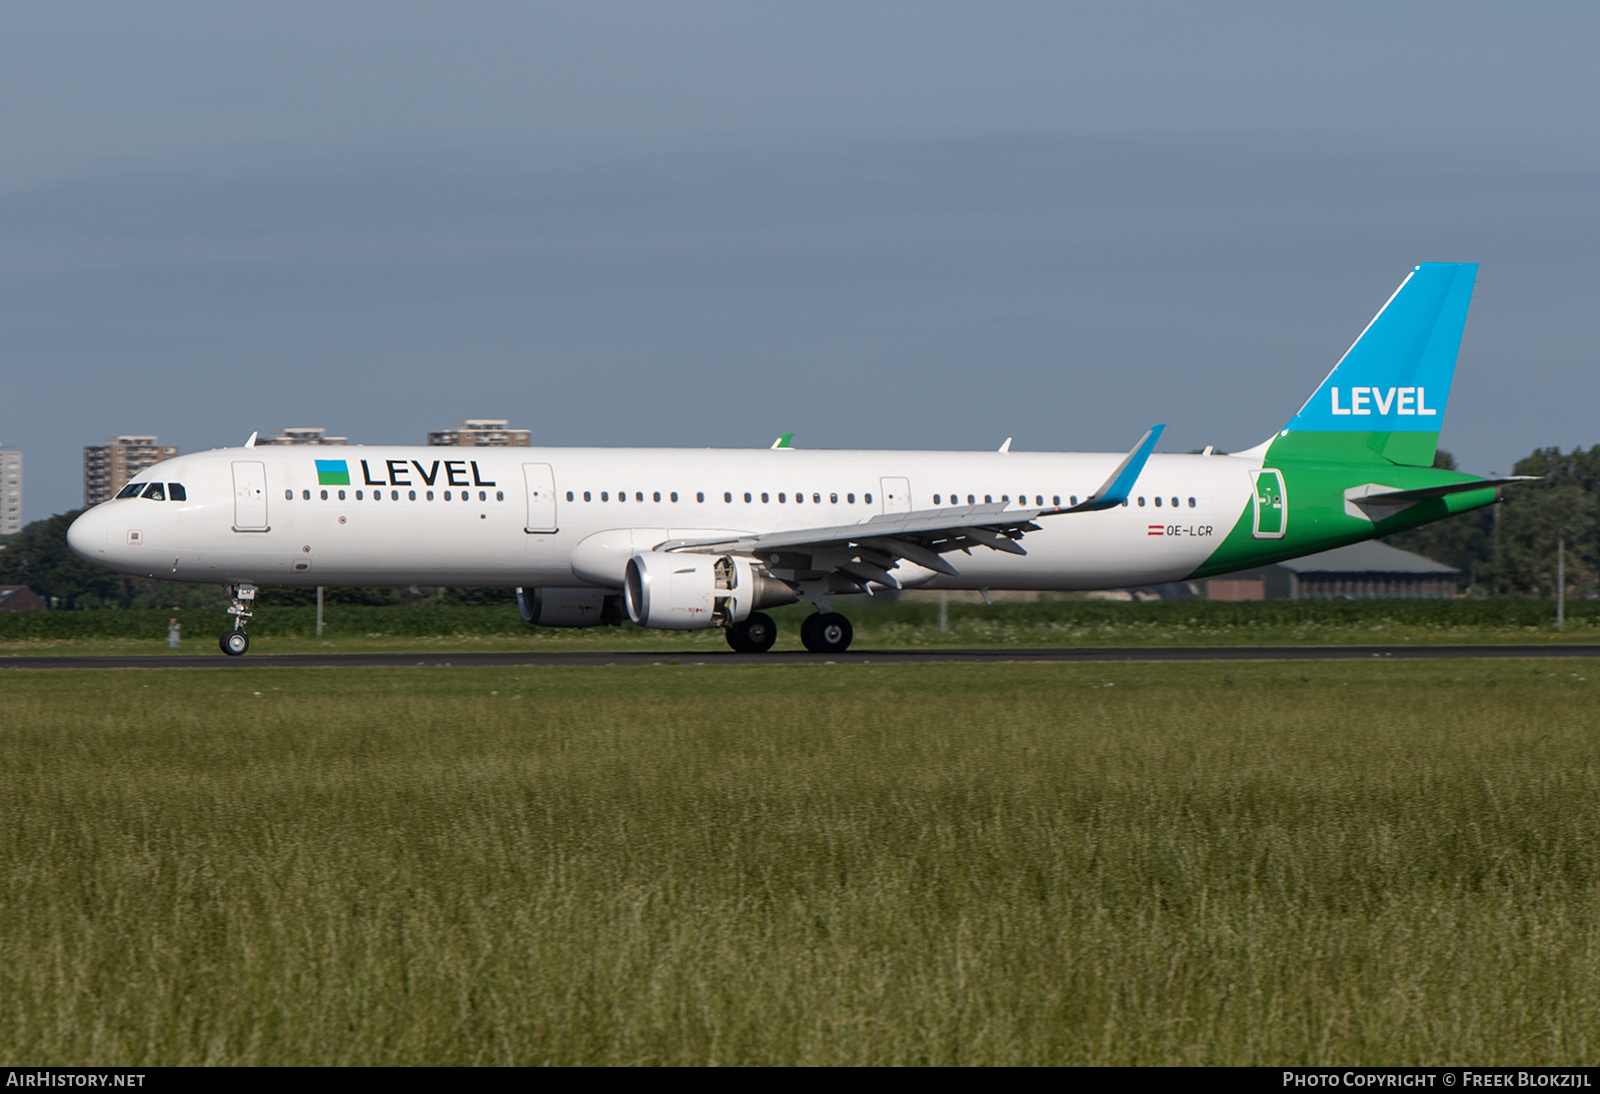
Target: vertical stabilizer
pixel 1387 396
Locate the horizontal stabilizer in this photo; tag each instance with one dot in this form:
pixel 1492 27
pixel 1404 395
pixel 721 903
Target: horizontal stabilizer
pixel 1407 497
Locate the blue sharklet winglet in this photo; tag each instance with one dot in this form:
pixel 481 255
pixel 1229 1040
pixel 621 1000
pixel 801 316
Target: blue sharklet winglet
pixel 1115 490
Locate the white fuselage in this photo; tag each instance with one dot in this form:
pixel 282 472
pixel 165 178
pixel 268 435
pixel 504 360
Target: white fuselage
pixel 573 516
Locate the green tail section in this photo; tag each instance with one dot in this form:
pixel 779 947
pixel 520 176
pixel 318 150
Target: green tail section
pixel 1372 427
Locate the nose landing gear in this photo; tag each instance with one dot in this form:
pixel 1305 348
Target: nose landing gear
pixel 234 643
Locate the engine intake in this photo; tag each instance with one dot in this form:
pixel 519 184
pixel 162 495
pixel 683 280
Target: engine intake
pixel 689 592
pixel 569 607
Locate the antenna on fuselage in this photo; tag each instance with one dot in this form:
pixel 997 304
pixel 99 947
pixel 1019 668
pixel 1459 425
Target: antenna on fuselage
pixel 251 443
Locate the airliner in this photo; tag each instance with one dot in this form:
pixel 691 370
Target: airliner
pixel 688 539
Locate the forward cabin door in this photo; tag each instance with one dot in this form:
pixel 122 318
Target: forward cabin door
pixel 541 485
pixel 896 495
pixel 249 496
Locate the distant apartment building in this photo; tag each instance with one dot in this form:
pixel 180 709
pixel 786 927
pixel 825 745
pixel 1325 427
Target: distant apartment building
pixel 481 433
pixel 302 435
pixel 108 467
pixel 10 491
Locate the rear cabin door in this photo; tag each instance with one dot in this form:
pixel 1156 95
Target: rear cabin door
pixel 541 486
pixel 249 496
pixel 1271 505
pixel 896 495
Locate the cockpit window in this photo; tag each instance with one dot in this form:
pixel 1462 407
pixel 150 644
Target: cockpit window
pixel 156 491
pixel 176 492
pixel 131 490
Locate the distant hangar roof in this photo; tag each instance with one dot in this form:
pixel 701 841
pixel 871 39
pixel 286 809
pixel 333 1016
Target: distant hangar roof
pixel 1370 557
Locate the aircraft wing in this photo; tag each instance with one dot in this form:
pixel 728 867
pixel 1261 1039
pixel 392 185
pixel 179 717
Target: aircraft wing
pixel 866 551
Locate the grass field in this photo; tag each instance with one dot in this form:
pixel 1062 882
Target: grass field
pixel 880 625
pixel 1250 863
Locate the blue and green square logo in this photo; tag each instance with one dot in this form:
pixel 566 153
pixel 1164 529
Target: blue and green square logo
pixel 333 473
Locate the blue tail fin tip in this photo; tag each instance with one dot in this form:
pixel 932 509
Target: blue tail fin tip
pixel 1396 377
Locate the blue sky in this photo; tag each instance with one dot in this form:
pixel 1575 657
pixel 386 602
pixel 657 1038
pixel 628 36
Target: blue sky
pixel 705 224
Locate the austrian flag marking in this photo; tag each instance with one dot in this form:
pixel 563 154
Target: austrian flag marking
pixel 1156 530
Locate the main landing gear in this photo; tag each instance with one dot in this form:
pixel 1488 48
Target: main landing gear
pixel 755 635
pixel 824 632
pixel 234 643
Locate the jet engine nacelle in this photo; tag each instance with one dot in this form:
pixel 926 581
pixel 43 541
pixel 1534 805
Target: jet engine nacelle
pixel 569 607
pixel 689 592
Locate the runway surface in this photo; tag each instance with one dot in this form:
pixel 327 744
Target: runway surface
pixel 863 657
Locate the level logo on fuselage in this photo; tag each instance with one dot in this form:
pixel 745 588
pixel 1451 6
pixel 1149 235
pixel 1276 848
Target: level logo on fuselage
pixel 337 473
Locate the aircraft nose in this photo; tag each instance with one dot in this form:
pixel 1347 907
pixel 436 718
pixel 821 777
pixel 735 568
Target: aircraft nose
pixel 87 536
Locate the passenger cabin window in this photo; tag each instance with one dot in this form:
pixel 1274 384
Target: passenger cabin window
pixel 782 498
pixel 936 499
pixel 1191 503
pixel 131 490
pixel 747 497
pixel 851 498
pixel 569 495
pixel 673 495
pixel 288 495
pixel 305 495
pixel 156 492
pixel 727 497
pixel 358 495
pixel 176 492
pixel 324 495
pixel 1174 503
pixel 700 495
pixel 867 498
pixel 1158 503
pixel 1141 503
pixel 656 495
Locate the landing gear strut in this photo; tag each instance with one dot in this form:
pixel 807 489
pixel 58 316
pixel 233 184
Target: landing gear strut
pixel 755 635
pixel 234 643
pixel 826 632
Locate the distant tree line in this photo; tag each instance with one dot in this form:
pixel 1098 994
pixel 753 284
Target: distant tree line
pixel 1510 549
